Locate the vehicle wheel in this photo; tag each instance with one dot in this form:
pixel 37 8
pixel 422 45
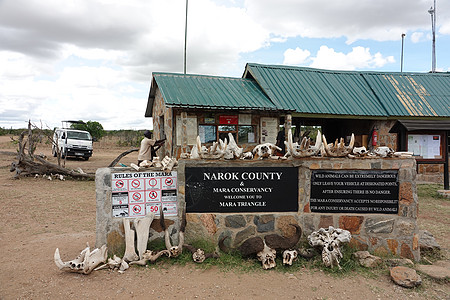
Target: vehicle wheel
pixel 86 158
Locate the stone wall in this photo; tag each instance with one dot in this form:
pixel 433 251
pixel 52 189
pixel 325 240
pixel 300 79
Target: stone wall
pixel 379 233
pixel 160 110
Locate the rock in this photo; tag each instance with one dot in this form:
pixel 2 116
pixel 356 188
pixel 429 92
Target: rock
pixel 427 241
pixel 379 225
pixel 440 270
pixel 264 223
pixel 243 235
pixel 367 260
pixel 405 277
pixel 235 221
pixel 395 262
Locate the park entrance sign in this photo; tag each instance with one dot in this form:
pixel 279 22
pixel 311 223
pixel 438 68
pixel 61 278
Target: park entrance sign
pixel 237 189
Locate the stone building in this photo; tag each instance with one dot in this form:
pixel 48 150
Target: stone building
pixel 375 106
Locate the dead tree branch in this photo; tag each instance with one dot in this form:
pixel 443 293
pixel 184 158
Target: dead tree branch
pixel 118 158
pixel 30 164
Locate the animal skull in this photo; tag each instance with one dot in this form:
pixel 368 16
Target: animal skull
pixel 175 251
pixel 360 151
pixel 338 149
pixel 199 256
pixel 304 149
pixel 267 257
pixel 384 151
pixel 289 256
pixel 266 150
pixel 85 262
pixel 330 240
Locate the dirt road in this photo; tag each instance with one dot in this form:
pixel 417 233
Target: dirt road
pixel 38 216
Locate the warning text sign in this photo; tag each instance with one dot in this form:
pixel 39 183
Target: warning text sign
pixel 136 194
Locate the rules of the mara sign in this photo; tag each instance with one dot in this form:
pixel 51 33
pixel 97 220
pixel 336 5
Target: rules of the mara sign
pixel 234 189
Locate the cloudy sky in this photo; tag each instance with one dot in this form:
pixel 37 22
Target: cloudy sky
pixel 93 59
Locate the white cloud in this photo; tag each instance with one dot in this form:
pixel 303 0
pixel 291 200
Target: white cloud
pixel 94 58
pixel 382 20
pixel 358 58
pixel 295 56
pixel 417 37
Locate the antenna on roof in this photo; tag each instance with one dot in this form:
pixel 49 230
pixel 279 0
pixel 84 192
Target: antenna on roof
pixel 401 60
pixel 185 36
pixel 432 12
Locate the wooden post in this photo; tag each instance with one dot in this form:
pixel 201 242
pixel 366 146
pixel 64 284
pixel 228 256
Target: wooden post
pixel 287 124
pixel 184 133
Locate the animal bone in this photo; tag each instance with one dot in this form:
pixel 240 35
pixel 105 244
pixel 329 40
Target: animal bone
pixel 168 164
pixel 156 162
pixel 338 149
pixel 267 257
pixel 289 256
pixel 142 226
pixel 265 150
pixel 151 256
pixel 281 243
pixel 330 240
pixel 233 150
pixel 85 262
pixel 254 245
pixel 185 155
pixel 145 164
pixel 174 250
pixel 384 151
pixel 130 252
pixel 134 166
pixel 247 155
pixel 113 263
pixel 259 246
pixel 304 149
pixel 360 151
pixel 403 154
pixel 216 151
pixel 198 255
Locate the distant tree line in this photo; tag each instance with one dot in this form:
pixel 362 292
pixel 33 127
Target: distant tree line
pixel 93 127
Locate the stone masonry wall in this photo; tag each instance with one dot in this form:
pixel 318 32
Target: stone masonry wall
pixel 382 234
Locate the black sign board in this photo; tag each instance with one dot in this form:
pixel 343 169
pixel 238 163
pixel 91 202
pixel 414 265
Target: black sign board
pixel 351 191
pixel 237 189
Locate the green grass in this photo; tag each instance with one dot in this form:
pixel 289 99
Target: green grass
pixel 429 191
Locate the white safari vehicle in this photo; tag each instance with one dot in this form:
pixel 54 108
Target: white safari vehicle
pixel 72 142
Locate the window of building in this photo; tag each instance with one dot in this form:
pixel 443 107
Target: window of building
pixel 246 134
pixel 207 133
pixel 214 127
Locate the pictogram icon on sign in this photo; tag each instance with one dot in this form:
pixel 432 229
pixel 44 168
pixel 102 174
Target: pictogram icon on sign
pixel 136 196
pixel 153 195
pixel 169 181
pixel 136 209
pixel 135 183
pixel 152 182
pixel 119 184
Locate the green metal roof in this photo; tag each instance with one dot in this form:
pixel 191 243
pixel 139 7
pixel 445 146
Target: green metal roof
pixel 314 91
pixel 352 93
pixel 208 92
pixel 412 94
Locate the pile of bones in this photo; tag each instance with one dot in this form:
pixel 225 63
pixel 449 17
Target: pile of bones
pixel 230 150
pixel 328 241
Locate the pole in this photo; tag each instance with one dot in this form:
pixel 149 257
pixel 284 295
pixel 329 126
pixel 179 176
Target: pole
pixel 401 62
pixel 185 36
pixel 432 12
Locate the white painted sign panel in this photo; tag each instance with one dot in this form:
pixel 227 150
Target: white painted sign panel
pixel 136 194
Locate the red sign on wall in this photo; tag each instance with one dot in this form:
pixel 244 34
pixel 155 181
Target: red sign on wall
pixel 228 120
